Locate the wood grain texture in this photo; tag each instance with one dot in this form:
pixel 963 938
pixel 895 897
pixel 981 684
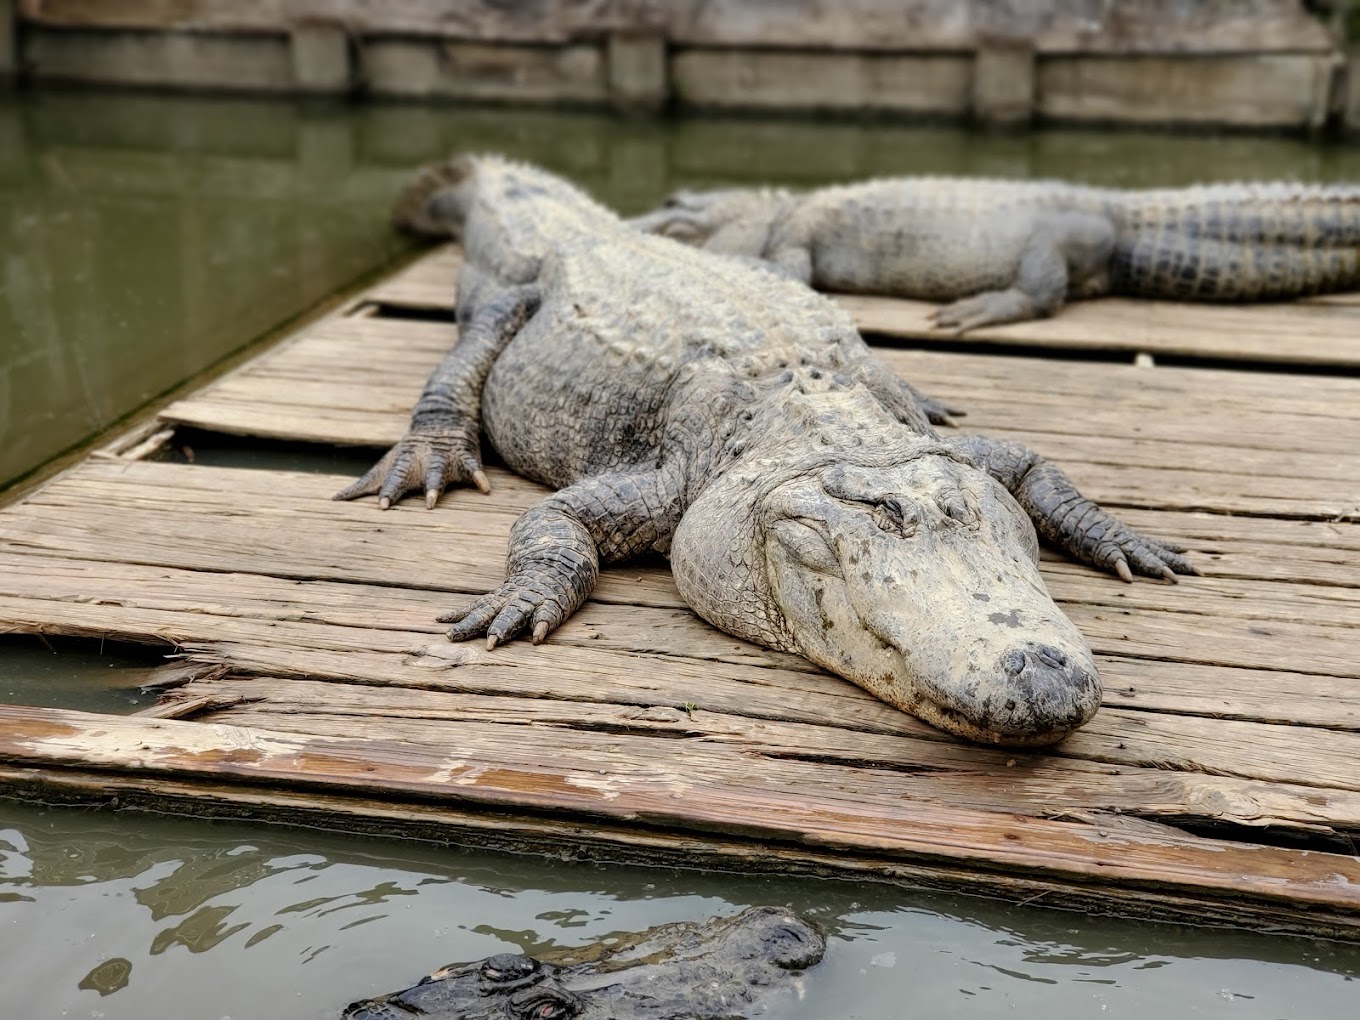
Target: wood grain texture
pixel 317 684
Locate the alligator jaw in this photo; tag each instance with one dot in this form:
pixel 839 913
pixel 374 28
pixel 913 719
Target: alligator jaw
pixel 1035 695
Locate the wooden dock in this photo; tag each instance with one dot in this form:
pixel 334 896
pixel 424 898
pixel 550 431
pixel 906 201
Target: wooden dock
pixel 1220 780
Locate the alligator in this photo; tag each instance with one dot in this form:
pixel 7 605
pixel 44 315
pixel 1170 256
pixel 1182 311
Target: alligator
pixel 723 969
pixel 686 403
pixel 1005 251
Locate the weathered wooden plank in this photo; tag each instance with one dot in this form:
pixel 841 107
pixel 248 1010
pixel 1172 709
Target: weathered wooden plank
pixel 208 611
pixel 188 607
pixel 276 523
pixel 1275 445
pixel 1307 332
pixel 805 804
pixel 1045 785
pixel 1303 333
pixel 1262 548
pixel 1228 453
pixel 368 364
pixel 241 535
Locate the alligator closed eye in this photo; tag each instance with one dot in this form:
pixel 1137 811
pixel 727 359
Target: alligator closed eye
pixel 895 517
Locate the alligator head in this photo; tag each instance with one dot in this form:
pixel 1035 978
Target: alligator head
pixel 720 970
pixel 909 571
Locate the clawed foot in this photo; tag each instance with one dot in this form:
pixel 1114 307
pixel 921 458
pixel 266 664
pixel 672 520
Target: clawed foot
pixel 939 413
pixel 991 308
pixel 503 614
pixel 1125 551
pixel 429 459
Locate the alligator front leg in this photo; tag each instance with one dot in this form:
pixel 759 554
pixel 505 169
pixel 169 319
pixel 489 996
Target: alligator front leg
pixel 443 442
pixel 1069 520
pixel 557 547
pixel 903 400
pixel 1069 251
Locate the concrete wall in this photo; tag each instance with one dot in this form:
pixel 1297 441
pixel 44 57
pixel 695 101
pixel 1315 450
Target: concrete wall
pixel 1246 63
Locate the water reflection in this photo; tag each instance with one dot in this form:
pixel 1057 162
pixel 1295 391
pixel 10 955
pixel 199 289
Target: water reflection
pixel 143 239
pixel 111 916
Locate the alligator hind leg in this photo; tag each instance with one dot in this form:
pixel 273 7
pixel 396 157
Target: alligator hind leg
pixel 557 547
pixel 443 443
pixel 1068 251
pixel 1068 519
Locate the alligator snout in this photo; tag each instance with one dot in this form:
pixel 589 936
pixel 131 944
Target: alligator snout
pixel 1045 690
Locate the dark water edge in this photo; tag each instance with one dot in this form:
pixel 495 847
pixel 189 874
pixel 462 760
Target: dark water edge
pixel 142 239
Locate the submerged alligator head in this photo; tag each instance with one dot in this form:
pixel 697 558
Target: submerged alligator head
pixel 724 969
pixel 910 571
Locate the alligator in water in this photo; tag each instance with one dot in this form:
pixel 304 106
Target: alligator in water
pixel 686 403
pixel 721 970
pixel 1003 251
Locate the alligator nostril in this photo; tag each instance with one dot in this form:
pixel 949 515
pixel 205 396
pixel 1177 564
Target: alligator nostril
pixel 1013 662
pixel 1050 656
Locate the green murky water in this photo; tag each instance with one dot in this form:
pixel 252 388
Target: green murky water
pixel 142 240
pixel 105 915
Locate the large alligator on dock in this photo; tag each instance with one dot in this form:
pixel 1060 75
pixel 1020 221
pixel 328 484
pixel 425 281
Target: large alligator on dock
pixel 724 969
pixel 1005 251
pixel 685 403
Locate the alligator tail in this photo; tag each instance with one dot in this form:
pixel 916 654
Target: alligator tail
pixel 1238 242
pixel 433 205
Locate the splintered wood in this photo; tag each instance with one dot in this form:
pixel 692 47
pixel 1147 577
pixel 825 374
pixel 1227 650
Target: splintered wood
pixel 1218 781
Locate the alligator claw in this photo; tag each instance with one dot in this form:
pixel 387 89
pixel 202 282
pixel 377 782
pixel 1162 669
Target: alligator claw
pixel 990 308
pixel 522 602
pixel 428 460
pixel 1126 551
